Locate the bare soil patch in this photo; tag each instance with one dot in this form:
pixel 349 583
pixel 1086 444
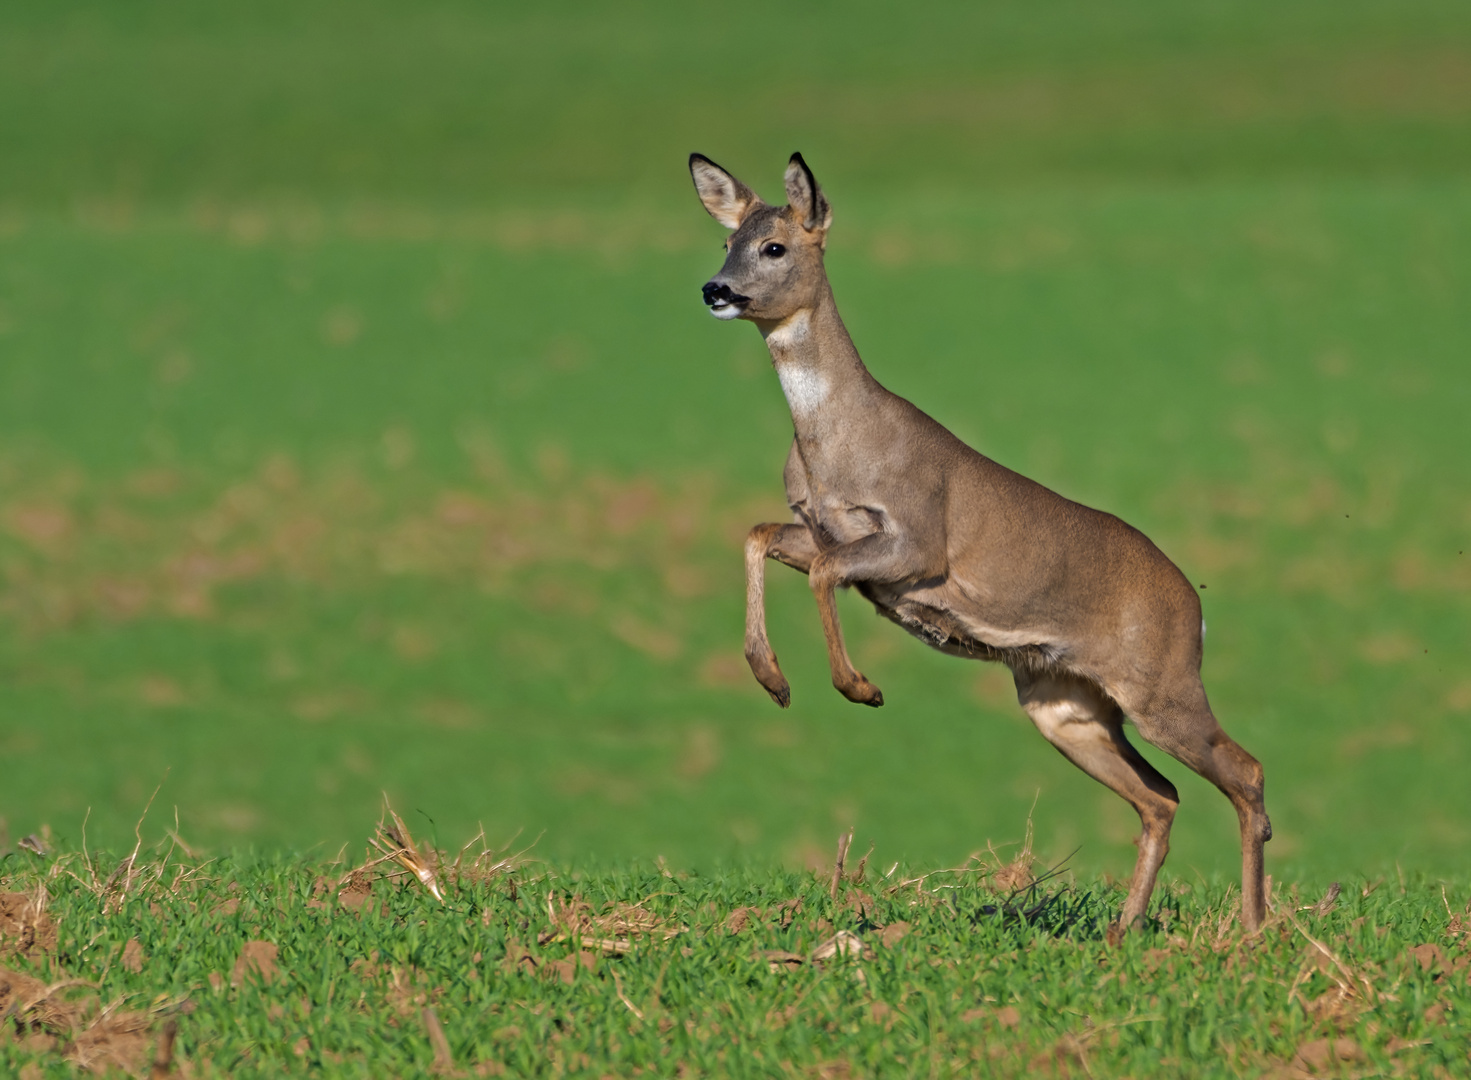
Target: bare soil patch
pixel 25 928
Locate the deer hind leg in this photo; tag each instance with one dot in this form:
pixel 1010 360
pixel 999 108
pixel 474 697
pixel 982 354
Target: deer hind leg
pixel 791 544
pixel 1185 728
pixel 1087 727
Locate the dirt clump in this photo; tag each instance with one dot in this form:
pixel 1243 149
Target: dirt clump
pixel 115 1040
pixel 1321 1054
pixel 95 1040
pixel 518 958
pixel 566 968
pixel 133 957
pixel 740 918
pixel 892 934
pixel 25 928
pixel 356 893
pixel 17 990
pixel 257 960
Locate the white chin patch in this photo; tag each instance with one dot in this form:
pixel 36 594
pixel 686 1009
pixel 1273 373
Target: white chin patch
pixel 727 311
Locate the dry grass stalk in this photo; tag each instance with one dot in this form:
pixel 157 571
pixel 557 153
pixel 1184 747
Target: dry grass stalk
pixel 1347 980
pixel 844 840
pixel 177 840
pixel 1326 904
pixel 1016 875
pixel 612 932
pixel 973 865
pixel 1459 925
pixel 395 843
pixel 490 862
pixel 131 862
pixel 1219 924
pixel 456 871
pixel 618 987
pixel 843 943
pixel 130 876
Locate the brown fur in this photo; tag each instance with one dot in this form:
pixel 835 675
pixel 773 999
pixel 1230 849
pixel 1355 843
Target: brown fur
pixel 1093 620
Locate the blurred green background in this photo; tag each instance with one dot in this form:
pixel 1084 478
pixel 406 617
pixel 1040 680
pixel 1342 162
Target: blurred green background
pixel 361 428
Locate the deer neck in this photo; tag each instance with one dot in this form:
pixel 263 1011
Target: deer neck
pixel 819 367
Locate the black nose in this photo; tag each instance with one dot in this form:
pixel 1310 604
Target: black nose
pixel 721 294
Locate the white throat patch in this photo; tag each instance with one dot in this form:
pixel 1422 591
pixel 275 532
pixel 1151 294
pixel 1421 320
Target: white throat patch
pixel 806 388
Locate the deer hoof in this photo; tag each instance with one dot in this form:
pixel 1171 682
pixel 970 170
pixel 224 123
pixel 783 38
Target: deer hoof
pixel 863 692
pixel 769 675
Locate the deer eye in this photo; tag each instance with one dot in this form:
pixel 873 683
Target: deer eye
pixel 773 251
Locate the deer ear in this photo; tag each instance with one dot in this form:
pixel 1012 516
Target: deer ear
pixel 726 198
pixel 806 197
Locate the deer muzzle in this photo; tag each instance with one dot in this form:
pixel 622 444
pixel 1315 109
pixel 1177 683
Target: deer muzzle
pixel 723 302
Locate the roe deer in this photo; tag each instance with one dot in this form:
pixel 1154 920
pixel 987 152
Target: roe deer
pixel 1095 623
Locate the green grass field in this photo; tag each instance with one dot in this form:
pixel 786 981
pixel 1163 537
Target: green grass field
pixel 289 967
pixel 362 431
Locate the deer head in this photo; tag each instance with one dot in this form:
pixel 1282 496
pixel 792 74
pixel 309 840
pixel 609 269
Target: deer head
pixel 773 263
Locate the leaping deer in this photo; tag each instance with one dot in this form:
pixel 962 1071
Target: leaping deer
pixel 1093 620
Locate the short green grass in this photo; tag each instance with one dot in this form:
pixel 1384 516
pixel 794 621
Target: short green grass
pixel 639 970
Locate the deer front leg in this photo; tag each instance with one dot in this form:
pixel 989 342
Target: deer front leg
pixel 793 545
pixel 878 558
